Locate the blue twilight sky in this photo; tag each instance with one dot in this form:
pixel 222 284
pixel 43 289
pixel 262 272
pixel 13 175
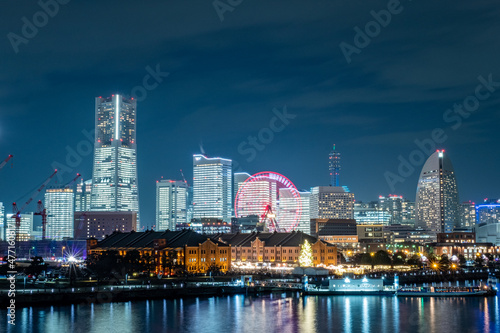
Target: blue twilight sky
pixel 227 76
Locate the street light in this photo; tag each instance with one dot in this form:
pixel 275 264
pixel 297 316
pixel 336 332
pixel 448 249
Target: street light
pixel 62 251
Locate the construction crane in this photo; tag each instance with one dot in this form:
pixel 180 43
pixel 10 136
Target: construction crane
pixel 5 161
pixel 42 211
pixel 183 178
pixel 72 181
pixel 17 212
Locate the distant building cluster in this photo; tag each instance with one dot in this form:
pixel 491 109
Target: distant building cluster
pixel 259 218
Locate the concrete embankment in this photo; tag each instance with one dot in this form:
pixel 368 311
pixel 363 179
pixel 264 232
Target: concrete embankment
pixel 25 298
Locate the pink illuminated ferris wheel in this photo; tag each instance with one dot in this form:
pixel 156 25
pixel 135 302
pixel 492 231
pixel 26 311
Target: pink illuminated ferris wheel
pixel 273 198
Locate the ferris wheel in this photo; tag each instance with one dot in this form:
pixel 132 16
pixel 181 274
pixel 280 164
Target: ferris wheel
pixel 273 198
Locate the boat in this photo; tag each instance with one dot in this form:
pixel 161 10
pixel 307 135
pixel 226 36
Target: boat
pixel 352 287
pixel 443 291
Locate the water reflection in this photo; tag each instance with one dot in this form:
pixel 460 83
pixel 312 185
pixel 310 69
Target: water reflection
pixel 280 313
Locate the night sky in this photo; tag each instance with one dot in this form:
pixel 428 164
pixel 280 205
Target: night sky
pixel 227 76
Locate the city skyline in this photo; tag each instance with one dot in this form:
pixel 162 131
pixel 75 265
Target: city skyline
pixel 213 100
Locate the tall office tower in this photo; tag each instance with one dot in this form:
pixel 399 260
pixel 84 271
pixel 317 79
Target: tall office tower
pixel 467 214
pixel 334 167
pixel 26 227
pixel 369 213
pixel 212 188
pixel 408 214
pixel 83 195
pixel 171 204
pixel 2 221
pixel 437 195
pixel 394 205
pixel 238 180
pixel 488 212
pixel 287 204
pixel 331 202
pixel 59 202
pixel 114 177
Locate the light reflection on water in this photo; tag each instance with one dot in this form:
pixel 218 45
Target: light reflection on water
pixel 276 313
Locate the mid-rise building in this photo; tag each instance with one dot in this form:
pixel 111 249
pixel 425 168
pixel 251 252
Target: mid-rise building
pixel 337 231
pixel 114 176
pixel 393 204
pixel 171 204
pixel 207 226
pixel 331 202
pixel 334 167
pixel 467 215
pixel 83 195
pixel 488 212
pixel 277 249
pixel 98 225
pixel 238 179
pixel 408 214
pixel 369 213
pixel 371 233
pixel 288 209
pixel 194 252
pixel 26 227
pixel 212 188
pixel 59 202
pixel 437 195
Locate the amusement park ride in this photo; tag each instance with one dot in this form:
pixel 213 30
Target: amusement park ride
pixel 273 198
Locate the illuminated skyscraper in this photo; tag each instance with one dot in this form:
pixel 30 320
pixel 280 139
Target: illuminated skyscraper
pixel 334 167
pixel 212 188
pixel 171 204
pixel 393 204
pixel 467 215
pixel 238 180
pixel 114 177
pixel 488 212
pixel 331 202
pixel 59 203
pixel 437 195
pixel 289 203
pixel 83 195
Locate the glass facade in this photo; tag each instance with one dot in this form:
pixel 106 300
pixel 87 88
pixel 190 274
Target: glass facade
pixel 393 204
pixel 488 213
pixel 330 202
pixel 369 213
pixel 288 206
pixel 437 195
pixel 212 188
pixel 171 204
pixel 467 215
pixel 59 203
pixel 82 196
pixel 114 177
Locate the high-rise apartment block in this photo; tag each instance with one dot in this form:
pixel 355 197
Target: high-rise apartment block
pixel 171 204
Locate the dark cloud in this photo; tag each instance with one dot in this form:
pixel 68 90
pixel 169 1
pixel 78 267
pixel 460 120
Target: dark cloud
pixel 226 78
